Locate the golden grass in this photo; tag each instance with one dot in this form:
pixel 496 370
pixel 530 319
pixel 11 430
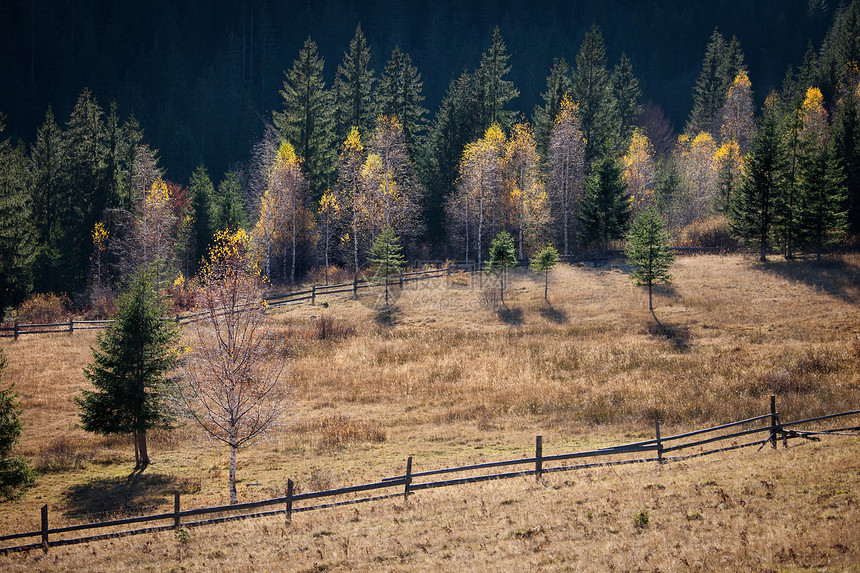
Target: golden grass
pixel 449 378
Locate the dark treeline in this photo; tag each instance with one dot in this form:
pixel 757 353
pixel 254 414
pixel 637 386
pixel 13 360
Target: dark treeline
pixel 203 75
pixel 427 124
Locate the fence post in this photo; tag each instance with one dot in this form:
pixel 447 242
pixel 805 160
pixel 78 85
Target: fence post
pixel 177 319
pixel 288 516
pixel 15 335
pixel 313 295
pixel 45 527
pixel 659 443
pixel 774 421
pixel 408 478
pixel 401 279
pixel 176 508
pixel 355 285
pixel 538 457
pixel 71 324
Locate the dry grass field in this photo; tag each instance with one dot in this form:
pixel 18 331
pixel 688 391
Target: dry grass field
pixel 448 377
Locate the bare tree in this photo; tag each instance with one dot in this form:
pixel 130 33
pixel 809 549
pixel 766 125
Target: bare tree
pixel 232 387
pixel 566 166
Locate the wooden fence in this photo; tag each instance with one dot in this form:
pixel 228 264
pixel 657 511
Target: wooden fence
pixel 297 297
pixel 660 449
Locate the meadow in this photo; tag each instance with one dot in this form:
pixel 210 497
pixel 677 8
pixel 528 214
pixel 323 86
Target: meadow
pixel 451 376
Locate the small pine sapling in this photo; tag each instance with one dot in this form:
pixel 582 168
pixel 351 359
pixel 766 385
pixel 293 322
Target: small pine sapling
pixel 649 250
pixel 544 262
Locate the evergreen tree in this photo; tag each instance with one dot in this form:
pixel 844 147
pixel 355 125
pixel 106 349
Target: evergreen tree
pixel 400 95
pixel 605 211
pixel 544 262
pixel 456 124
pixel 354 89
pixel 650 251
pixel 386 257
pixel 626 94
pixel 722 63
pixel 821 216
pixel 15 474
pixel 557 85
pixel 591 90
pixel 753 207
pixel 229 210
pixel 47 157
pixel 306 119
pixel 201 196
pixel 17 245
pixel 495 91
pixel 846 127
pixel 502 256
pixel 668 183
pixel 131 370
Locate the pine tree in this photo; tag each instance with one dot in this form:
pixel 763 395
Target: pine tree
pixel 846 127
pixel 229 209
pixel 201 197
pixel 626 94
pixel 353 96
pixel 649 249
pixel 502 256
pixel 821 215
pixel 557 85
pixel 47 158
pixel 17 244
pixel 15 474
pixel 544 262
pixel 722 63
pixel 386 258
pixel 495 91
pixel 131 370
pixel 752 214
pixel 400 95
pixel 605 211
pixel 306 119
pixel 591 90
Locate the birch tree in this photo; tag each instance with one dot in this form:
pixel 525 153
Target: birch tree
pixel 566 166
pixel 232 387
pixel 524 185
pixel 349 186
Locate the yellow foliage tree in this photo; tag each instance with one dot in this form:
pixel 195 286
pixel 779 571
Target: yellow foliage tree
pixel 639 171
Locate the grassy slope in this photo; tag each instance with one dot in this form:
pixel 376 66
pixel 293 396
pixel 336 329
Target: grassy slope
pixel 448 379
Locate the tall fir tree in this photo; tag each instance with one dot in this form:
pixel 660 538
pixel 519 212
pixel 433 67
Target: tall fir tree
pixel 846 127
pixel 48 168
pixel 306 119
pixel 400 95
pixel 557 85
pixel 605 212
pixel 201 196
pixel 229 209
pixel 353 93
pixel 591 90
pixel 754 205
pixel 131 370
pixel 17 245
pixel 496 91
pixel 821 214
pixel 626 94
pixel 722 63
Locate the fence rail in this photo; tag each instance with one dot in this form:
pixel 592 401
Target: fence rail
pixel 411 482
pixel 17 329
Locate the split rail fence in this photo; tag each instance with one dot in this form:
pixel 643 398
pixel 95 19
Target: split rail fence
pixel 660 449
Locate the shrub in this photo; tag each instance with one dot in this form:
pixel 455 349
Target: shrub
pixel 44 308
pixel 641 518
pixel 712 232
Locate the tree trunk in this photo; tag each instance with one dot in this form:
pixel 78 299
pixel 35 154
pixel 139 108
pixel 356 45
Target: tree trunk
pixel 650 306
pixel 141 456
pixel 233 497
pixel 546 286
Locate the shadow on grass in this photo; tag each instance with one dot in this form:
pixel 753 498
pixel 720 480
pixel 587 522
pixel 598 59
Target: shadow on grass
pixel 676 335
pixel 386 316
pixel 553 314
pixel 835 276
pixel 510 316
pixel 137 493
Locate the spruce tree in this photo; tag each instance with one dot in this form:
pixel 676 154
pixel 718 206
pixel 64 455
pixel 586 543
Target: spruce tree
pixel 625 94
pixel 495 91
pixel 400 95
pixel 544 262
pixel 353 94
pixel 229 210
pixel 386 257
pixel 591 90
pixel 15 474
pixel 846 127
pixel 17 244
pixel 306 119
pixel 557 85
pixel 721 65
pixel 502 256
pixel 605 211
pixel 131 370
pixel 753 206
pixel 201 197
pixel 821 216
pixel 649 249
